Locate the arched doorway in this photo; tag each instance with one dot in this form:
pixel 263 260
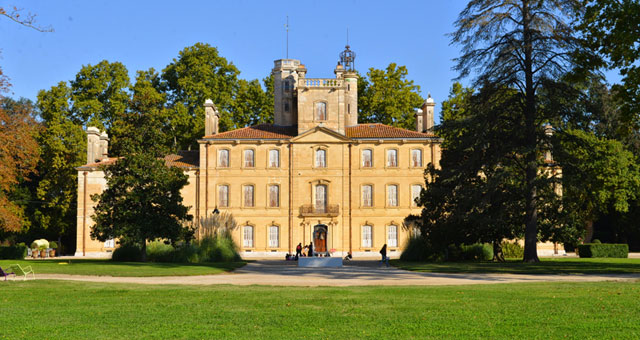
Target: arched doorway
pixel 320 238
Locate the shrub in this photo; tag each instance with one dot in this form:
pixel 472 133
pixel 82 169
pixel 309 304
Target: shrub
pixel 127 253
pixel 603 250
pixel 158 251
pixel 512 250
pixel 596 241
pixel 417 249
pixel 17 252
pixel 53 245
pixel 472 252
pixel 220 248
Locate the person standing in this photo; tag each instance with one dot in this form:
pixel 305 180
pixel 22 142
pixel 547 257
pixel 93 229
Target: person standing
pixel 383 252
pixel 310 249
pixel 298 251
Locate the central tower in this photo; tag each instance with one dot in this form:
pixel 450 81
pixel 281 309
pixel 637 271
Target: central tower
pixel 310 102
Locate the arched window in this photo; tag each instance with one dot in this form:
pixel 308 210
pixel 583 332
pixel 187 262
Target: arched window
pixel 392 158
pixel 367 158
pixel 367 195
pixel 392 195
pixel 321 111
pixel 274 158
pixel 247 236
pixel 223 196
pixel 274 196
pixel 321 158
pixel 321 198
pixel 416 158
pixel 392 236
pixel 415 194
pixel 223 158
pixel 249 158
pixel 248 195
pixel 367 234
pixel 274 236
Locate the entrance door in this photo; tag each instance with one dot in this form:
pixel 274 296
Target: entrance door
pixel 320 239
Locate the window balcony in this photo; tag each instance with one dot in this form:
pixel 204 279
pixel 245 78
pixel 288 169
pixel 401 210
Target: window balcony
pixel 309 210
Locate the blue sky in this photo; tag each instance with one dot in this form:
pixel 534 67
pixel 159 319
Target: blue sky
pixel 251 34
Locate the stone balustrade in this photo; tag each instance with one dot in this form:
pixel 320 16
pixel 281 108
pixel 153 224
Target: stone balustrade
pixel 320 82
pixel 309 210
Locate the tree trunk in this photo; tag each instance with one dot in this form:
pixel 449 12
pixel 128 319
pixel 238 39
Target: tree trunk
pixel 498 256
pixel 589 235
pixel 144 251
pixel 531 216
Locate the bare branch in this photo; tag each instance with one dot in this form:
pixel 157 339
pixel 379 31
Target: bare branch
pixel 28 20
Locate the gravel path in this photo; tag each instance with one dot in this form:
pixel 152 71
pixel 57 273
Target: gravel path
pixel 356 273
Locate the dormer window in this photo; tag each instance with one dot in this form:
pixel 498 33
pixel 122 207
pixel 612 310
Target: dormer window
pixel 321 111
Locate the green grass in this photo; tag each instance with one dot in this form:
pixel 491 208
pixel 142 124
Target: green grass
pixel 545 266
pixel 109 268
pixel 44 309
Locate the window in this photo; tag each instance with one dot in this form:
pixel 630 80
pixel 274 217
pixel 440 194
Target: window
pixel 274 196
pixel 111 243
pixel 286 107
pixel 248 196
pixel 416 158
pixel 249 159
pixel 321 111
pixel 287 85
pixel 321 158
pixel 392 195
pixel 247 236
pixel 415 194
pixel 274 158
pixel 349 108
pixel 367 158
pixel 367 193
pixel 223 196
pixel 274 236
pixel 223 158
pixel 392 158
pixel 366 236
pixel 392 236
pixel 321 198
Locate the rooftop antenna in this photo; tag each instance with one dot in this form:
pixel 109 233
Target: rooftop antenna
pixel 348 57
pixel 287 29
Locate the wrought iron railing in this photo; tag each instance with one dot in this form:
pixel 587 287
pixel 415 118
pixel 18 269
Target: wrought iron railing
pixel 307 210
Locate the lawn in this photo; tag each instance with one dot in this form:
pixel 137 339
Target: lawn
pixel 77 310
pixel 109 268
pixel 545 266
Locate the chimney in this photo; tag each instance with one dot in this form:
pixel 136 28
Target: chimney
pixel 104 146
pixel 427 114
pixel 419 120
pixel 93 145
pixel 211 118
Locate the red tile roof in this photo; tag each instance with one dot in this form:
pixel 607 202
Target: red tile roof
pixel 184 159
pixel 383 131
pixel 261 131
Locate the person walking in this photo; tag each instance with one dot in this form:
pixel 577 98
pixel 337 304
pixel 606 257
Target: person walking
pixel 383 252
pixel 298 251
pixel 310 249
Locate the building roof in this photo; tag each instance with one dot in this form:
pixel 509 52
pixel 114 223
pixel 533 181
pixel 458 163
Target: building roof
pixel 184 159
pixel 270 131
pixel 261 131
pixel 383 131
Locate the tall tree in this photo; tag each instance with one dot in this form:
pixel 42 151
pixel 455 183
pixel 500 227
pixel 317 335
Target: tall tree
pixel 612 29
pixel 519 44
pixel 100 94
pixel 142 200
pixel 63 145
pixel 251 105
pixel 19 154
pixel 388 97
pixel 199 73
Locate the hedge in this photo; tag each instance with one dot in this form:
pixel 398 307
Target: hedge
pixel 18 252
pixel 603 250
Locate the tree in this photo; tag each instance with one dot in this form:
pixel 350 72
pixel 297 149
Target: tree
pixel 142 200
pixel 63 144
pixel 99 94
pixel 612 29
pixel 387 97
pixel 19 154
pixel 28 20
pixel 199 73
pixel 519 45
pixel 251 105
